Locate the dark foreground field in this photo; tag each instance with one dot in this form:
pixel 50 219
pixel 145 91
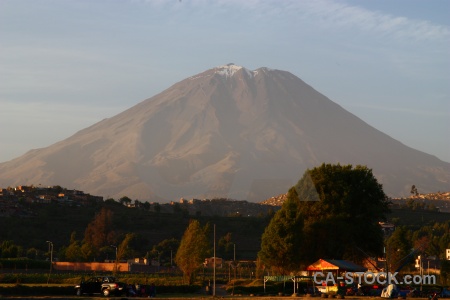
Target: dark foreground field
pixel 187 296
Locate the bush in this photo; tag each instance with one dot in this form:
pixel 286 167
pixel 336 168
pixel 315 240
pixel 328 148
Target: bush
pixel 22 290
pixel 177 289
pixel 24 263
pixel 23 278
pixel 256 287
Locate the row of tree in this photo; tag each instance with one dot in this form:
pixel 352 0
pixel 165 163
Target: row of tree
pixel 332 212
pixel 428 241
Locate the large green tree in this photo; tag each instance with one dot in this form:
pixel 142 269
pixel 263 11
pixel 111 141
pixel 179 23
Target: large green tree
pixel 342 206
pixel 282 241
pixel 194 248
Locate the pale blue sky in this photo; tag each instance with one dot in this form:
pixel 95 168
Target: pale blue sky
pixel 65 65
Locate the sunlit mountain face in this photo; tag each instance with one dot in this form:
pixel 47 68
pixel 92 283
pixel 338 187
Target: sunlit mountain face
pixel 228 132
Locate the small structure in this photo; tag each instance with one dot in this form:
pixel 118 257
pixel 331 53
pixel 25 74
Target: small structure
pixel 337 267
pixel 295 279
pixel 209 262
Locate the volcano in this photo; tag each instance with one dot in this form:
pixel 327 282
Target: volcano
pixel 227 132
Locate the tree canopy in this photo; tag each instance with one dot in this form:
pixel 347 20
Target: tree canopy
pixel 342 206
pixel 99 232
pixel 332 212
pixel 164 251
pixel 225 247
pixel 282 238
pixel 194 248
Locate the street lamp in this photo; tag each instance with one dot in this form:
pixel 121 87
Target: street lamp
pixel 234 260
pixel 50 246
pixel 214 275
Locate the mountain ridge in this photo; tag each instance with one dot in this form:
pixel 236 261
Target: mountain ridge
pixel 227 132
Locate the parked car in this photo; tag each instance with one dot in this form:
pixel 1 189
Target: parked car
pixel 312 290
pixel 104 285
pixel 445 293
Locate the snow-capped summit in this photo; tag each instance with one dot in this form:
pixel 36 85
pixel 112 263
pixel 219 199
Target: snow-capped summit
pixel 227 70
pixel 230 69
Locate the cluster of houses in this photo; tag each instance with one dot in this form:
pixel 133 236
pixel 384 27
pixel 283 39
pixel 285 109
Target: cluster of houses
pixel 11 198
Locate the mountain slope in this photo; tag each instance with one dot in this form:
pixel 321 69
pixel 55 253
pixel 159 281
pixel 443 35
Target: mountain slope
pixel 226 132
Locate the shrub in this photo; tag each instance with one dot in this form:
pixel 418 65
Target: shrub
pixel 22 290
pixel 24 263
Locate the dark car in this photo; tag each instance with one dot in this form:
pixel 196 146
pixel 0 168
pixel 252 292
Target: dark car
pixel 105 285
pixel 445 293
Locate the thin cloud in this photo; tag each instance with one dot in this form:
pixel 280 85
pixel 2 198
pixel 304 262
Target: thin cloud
pixel 335 15
pixel 404 110
pixel 325 14
pixel 343 15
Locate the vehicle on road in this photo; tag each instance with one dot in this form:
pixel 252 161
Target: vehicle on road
pixel 445 293
pixel 104 285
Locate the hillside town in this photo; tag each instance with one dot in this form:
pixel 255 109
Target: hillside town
pixel 439 201
pixel 12 202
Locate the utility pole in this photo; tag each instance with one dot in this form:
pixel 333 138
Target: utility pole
pixel 50 246
pixel 386 260
pixel 234 260
pixel 214 273
pixel 115 264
